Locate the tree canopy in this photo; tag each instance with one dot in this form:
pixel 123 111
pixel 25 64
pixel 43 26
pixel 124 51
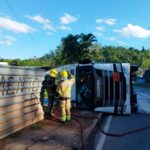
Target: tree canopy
pixel 75 48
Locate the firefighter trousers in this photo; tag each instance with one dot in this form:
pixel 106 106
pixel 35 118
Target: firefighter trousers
pixel 49 109
pixel 65 106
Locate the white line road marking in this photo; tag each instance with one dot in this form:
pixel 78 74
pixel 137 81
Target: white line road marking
pixel 103 136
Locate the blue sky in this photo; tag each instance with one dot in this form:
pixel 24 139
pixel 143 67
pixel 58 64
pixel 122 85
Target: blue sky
pixel 35 27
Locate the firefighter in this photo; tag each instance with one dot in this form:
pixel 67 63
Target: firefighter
pixel 49 85
pixel 64 91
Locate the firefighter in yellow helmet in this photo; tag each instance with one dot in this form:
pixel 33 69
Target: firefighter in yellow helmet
pixel 53 73
pixel 64 91
pixel 49 86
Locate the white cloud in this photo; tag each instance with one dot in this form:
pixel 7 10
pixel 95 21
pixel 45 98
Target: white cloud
pixel 14 26
pixel 100 28
pixel 134 31
pixel 39 19
pixel 48 27
pixel 110 21
pixel 44 21
pixel 122 43
pixel 99 20
pixel 67 19
pixel 7 40
pixel 65 28
pixel 113 38
pixel 98 34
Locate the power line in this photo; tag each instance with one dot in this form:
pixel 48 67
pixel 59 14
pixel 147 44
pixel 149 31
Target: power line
pixel 15 14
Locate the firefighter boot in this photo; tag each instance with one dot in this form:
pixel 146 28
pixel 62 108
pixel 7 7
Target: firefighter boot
pixel 63 118
pixel 68 118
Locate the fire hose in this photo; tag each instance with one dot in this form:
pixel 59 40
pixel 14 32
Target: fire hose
pixel 101 129
pixel 119 134
pixel 114 134
pixel 80 124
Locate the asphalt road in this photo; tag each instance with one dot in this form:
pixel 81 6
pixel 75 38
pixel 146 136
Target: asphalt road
pixel 143 99
pixel 120 124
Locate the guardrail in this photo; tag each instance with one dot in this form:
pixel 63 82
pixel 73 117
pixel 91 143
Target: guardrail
pixel 19 98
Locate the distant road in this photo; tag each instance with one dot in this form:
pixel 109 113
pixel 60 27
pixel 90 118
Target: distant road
pixel 143 97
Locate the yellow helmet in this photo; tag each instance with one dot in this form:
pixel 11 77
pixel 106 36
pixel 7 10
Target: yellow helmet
pixel 64 74
pixel 53 72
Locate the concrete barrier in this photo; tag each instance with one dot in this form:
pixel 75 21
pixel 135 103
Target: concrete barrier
pixel 19 98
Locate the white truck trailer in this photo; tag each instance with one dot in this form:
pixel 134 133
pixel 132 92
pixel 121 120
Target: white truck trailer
pixel 103 87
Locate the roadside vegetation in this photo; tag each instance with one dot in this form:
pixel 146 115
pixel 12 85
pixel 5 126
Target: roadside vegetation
pixel 75 48
pixel 142 85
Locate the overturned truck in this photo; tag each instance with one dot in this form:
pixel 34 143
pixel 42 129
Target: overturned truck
pixel 103 87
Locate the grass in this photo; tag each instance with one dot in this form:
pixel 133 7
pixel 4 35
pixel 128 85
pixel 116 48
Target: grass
pixel 36 126
pixel 142 85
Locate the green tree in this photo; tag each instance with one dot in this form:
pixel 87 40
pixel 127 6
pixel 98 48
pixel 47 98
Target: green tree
pixel 74 48
pixel 70 48
pixel 77 47
pixel 86 41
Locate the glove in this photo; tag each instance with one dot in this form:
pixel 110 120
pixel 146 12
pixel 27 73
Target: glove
pixel 69 75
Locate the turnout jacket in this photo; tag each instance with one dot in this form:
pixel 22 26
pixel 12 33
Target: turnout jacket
pixel 49 85
pixel 64 88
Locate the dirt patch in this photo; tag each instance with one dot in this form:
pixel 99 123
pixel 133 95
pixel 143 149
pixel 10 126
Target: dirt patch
pixel 50 135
